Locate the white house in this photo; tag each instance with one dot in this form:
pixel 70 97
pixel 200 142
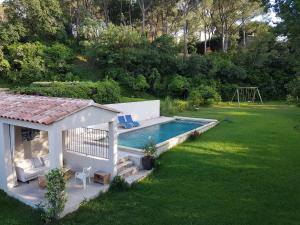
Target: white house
pixel 37 128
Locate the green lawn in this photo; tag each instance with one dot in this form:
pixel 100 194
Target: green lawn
pixel 244 171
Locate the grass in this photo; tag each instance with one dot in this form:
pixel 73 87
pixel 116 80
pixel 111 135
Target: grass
pixel 244 171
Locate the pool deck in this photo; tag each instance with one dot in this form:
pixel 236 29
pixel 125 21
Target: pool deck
pixel 147 123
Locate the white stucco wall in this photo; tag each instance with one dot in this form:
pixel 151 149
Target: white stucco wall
pixel 77 162
pixel 139 110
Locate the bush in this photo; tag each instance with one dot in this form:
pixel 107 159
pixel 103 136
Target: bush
pixel 227 91
pixel 107 91
pixel 204 95
pixel 26 62
pixel 119 184
pixel 178 86
pixel 293 88
pixel 195 98
pixel 58 58
pixel 55 195
pixel 181 105
pixel 167 107
pixel 150 149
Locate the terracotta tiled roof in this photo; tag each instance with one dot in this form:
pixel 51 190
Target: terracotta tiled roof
pixel 41 109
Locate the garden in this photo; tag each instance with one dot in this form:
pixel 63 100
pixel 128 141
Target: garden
pixel 193 56
pixel 244 171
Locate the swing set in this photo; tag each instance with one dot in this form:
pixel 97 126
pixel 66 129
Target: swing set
pixel 246 94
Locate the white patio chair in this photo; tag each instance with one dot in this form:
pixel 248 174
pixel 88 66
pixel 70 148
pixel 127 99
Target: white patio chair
pixel 84 175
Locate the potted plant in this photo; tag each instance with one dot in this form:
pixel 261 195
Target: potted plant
pixel 149 156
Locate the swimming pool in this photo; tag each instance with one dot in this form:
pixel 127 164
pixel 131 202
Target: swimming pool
pixel 158 133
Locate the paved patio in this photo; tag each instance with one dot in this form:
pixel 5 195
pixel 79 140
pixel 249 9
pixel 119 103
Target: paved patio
pixel 32 194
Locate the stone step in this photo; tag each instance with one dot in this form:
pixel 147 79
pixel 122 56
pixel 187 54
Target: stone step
pixel 122 166
pixel 128 171
pixel 122 160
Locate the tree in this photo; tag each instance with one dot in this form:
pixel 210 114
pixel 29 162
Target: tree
pixel 144 6
pixel 204 14
pixel 4 65
pixel 289 12
pixel 229 15
pixel 186 7
pixel 41 18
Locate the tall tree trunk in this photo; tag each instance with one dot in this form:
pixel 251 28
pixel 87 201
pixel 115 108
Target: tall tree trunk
pixel 226 42
pixel 223 38
pixel 105 9
pixel 143 21
pixel 205 40
pixel 129 12
pixel 77 18
pixel 185 33
pixel 244 33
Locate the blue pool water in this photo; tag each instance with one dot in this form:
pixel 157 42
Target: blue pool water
pixel 157 133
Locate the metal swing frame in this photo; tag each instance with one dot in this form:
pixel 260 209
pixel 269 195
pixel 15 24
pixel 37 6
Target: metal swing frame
pixel 246 94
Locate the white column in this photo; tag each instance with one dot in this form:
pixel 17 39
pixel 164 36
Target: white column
pixel 7 171
pixel 113 147
pixel 55 143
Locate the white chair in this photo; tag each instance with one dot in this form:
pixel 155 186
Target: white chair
pixel 84 175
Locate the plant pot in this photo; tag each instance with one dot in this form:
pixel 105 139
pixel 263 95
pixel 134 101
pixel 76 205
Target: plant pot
pixel 148 162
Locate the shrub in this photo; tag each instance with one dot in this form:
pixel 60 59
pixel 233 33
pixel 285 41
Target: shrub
pixel 55 195
pixel 181 105
pixel 167 107
pixel 293 88
pixel 204 95
pixel 58 58
pixel 178 86
pixel 119 184
pixel 195 98
pixel 4 65
pixel 26 62
pixel 227 91
pixel 107 91
pixel 150 149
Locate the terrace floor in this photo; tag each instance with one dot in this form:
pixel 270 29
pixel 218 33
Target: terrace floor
pixel 31 194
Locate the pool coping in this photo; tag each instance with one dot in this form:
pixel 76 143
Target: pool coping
pixel 170 143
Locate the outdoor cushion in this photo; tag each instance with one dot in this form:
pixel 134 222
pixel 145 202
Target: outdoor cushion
pixel 34 172
pixel 25 164
pixel 45 159
pixel 37 161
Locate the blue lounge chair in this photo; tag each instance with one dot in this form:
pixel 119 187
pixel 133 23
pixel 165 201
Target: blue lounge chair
pixel 124 123
pixel 130 120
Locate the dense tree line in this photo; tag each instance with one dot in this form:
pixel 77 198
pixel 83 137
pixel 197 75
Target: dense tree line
pixel 163 47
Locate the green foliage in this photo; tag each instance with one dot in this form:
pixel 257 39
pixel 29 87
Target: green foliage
pixel 138 83
pixel 119 37
pixel 181 105
pixel 293 88
pixel 58 58
pixel 26 62
pixel 204 95
pixel 167 107
pixel 43 17
pixel 91 29
pixel 150 149
pixel 119 184
pixel 4 65
pixel 107 91
pixel 55 195
pixel 195 98
pixel 35 61
pixel 178 86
